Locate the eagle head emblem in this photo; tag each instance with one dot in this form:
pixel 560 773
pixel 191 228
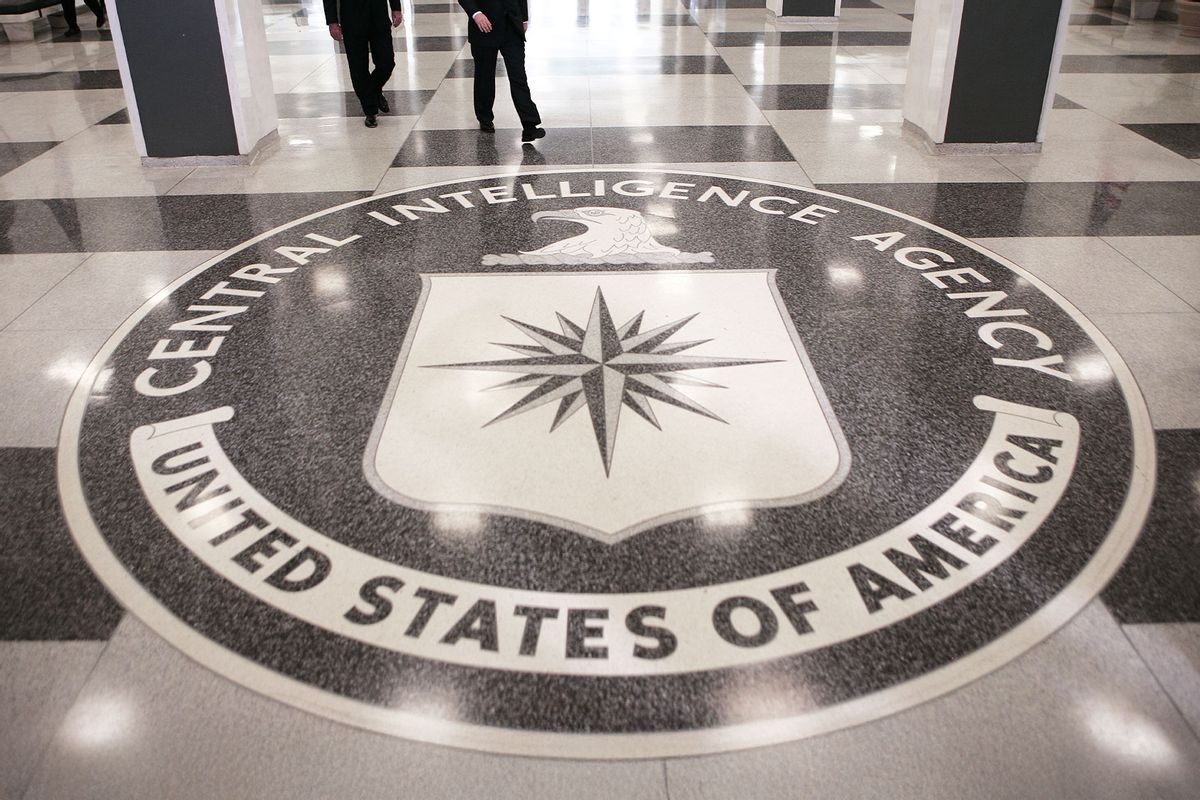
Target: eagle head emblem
pixel 611 236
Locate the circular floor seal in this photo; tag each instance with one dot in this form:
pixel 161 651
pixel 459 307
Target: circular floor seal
pixel 606 464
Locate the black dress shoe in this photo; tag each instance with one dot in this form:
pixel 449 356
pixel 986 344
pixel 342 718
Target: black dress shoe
pixel 383 104
pixel 487 127
pixel 529 134
pixel 371 121
pixel 72 31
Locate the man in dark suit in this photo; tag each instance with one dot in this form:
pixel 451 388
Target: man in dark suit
pixel 365 28
pixel 498 27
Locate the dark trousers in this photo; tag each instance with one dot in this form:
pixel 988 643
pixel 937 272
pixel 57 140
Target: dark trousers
pixel 68 6
pixel 518 82
pixel 369 41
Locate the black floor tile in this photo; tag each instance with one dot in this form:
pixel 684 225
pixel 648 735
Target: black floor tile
pixel 465 147
pixel 688 143
pixel 860 4
pixel 43 600
pixel 1160 581
pixel 60 81
pixel 1062 102
pixel 657 20
pixel 119 118
pixel 972 209
pixel 772 38
pixel 1097 19
pixel 314 47
pixel 174 222
pixel 87 34
pixel 1166 208
pixel 794 96
pixel 1111 208
pixel 47 592
pixel 1155 64
pixel 1181 137
pixel 294 105
pixel 641 65
pixel 14 154
pixel 811 38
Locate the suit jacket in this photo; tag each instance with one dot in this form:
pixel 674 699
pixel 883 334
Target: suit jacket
pixel 353 12
pixel 508 18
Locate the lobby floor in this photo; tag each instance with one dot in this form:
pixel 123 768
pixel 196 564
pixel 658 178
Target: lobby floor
pixel 94 703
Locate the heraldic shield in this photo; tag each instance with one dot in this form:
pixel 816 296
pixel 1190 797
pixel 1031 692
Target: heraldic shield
pixel 604 402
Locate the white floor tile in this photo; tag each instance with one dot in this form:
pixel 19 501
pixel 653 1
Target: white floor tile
pixel 151 724
pixel 106 289
pixel 1091 274
pixel 26 277
pixel 38 371
pixel 1162 351
pixel 1077 718
pixel 55 116
pixel 890 158
pixel 1173 655
pixel 837 125
pixel 1065 160
pixel 1173 260
pixel 39 681
pixel 98 176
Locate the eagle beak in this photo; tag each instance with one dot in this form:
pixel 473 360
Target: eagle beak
pixel 566 213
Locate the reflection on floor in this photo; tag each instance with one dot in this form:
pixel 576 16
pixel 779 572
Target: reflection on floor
pixel 94 704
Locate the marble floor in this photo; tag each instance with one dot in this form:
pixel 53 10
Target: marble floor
pixel 1099 697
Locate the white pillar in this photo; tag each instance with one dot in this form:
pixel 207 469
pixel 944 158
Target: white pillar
pixel 981 74
pixel 197 79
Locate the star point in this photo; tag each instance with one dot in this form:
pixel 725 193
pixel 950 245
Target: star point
pixel 603 368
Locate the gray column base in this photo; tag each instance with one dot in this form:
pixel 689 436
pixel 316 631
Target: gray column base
pixel 969 148
pixel 19 31
pixel 236 160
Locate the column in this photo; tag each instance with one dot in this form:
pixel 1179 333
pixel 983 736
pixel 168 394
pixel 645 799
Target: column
pixel 981 73
pixel 197 79
pixel 806 10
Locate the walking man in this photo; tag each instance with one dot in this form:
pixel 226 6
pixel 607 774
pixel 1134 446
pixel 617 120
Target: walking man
pixel 365 27
pixel 498 27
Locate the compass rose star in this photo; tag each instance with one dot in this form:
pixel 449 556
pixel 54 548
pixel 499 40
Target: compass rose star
pixel 605 368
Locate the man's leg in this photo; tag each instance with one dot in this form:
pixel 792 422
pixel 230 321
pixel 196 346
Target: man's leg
pixel 97 8
pixel 68 8
pixel 518 83
pixel 485 81
pixel 383 53
pixel 359 58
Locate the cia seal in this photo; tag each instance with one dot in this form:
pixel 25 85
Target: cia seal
pixel 605 463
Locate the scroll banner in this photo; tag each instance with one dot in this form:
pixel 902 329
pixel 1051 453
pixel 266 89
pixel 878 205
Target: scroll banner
pixel 999 502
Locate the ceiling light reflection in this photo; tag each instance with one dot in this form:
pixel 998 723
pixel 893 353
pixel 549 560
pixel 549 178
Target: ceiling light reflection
pixel 67 369
pixel 458 523
pixel 330 282
pixel 1092 368
pixel 844 276
pixel 1129 735
pixel 98 721
pixel 728 520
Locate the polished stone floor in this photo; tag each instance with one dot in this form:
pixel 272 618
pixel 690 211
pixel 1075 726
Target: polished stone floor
pixel 93 703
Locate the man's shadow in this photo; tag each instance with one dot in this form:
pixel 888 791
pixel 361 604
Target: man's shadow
pixel 486 153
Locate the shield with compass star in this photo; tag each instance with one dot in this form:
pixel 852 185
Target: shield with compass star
pixel 691 384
